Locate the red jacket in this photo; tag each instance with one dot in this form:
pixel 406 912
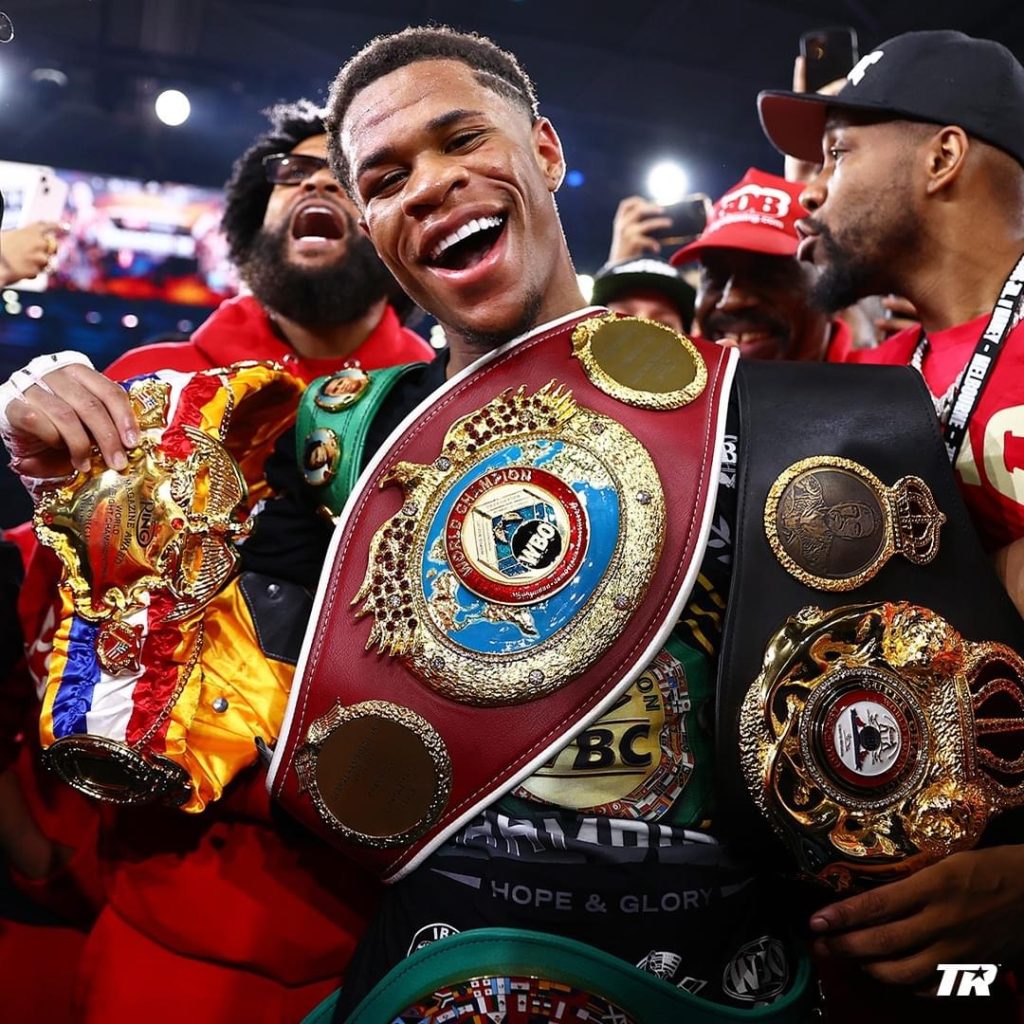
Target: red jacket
pixel 226 886
pixel 240 329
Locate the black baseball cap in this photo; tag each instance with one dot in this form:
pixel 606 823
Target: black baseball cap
pixel 939 77
pixel 614 280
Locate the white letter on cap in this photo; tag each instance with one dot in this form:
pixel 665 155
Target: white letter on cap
pixel 857 71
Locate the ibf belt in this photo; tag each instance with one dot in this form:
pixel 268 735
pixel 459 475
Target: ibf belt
pixel 876 739
pixel 130 712
pixel 502 572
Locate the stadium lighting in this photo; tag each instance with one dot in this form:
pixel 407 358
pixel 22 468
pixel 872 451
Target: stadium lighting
pixel 667 182
pixel 172 107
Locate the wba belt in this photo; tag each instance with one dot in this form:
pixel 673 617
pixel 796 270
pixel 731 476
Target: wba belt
pixel 506 567
pixel 870 700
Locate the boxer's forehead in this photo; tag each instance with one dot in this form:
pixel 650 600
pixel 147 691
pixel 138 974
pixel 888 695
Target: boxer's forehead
pixel 412 103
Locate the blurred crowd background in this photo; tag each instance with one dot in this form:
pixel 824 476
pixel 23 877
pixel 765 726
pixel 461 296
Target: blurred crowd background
pixel 127 114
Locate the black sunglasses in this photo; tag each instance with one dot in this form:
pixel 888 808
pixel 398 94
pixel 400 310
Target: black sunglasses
pixel 291 168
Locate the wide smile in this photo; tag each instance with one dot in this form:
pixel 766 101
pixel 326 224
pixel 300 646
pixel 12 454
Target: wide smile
pixel 759 343
pixel 317 227
pixel 465 254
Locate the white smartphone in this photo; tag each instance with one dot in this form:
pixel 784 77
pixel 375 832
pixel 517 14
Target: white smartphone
pixel 45 198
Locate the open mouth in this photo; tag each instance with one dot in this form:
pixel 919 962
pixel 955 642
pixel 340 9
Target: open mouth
pixel 467 246
pixel 805 250
pixel 758 341
pixel 317 223
pixel 743 337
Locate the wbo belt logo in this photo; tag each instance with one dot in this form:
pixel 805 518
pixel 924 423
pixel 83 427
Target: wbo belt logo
pixel 974 979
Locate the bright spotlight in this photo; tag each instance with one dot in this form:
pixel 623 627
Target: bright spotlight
pixel 172 107
pixel 667 182
pixel 586 283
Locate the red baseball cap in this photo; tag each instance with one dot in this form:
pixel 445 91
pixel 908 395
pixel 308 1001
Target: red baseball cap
pixel 758 214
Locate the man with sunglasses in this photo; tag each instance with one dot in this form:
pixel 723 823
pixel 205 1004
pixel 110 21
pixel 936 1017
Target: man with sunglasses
pixel 320 298
pixel 198 913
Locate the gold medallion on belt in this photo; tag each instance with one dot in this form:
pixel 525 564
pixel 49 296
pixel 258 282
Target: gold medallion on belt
pixel 876 739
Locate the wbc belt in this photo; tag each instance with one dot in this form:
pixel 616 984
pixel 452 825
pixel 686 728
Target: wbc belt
pixel 505 568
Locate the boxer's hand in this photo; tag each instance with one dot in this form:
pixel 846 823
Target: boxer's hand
pixel 25 252
pixel 48 432
pixel 635 219
pixel 964 909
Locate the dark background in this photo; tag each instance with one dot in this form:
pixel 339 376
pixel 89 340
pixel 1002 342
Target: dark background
pixel 625 84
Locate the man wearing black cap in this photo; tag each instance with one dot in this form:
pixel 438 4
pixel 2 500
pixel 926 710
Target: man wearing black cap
pixel 921 193
pixel 646 287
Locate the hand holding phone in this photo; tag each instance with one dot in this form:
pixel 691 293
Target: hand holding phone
pixel 26 252
pixel 828 54
pixel 642 226
pixel 687 219
pixel 43 211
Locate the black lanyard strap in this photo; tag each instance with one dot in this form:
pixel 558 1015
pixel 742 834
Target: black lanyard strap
pixel 969 386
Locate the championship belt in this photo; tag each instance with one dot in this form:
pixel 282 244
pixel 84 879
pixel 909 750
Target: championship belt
pixel 335 415
pixel 509 563
pixel 520 977
pixel 870 700
pixel 877 740
pixel 153 689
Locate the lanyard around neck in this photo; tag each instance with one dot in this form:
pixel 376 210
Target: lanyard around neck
pixel 956 407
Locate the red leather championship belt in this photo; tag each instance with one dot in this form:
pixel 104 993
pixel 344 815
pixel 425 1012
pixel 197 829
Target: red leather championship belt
pixel 509 563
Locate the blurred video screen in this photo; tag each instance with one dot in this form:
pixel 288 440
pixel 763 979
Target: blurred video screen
pixel 141 261
pixel 135 239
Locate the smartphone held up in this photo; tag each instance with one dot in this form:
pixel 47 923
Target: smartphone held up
pixel 828 54
pixel 689 217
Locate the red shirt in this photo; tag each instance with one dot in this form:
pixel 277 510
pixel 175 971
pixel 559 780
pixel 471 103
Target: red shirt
pixel 840 343
pixel 990 468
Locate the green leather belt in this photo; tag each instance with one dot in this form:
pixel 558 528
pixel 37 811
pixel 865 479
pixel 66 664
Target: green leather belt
pixel 332 424
pixel 508 963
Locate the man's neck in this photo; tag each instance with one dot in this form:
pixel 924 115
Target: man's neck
pixel 958 283
pixel 334 341
pixel 463 352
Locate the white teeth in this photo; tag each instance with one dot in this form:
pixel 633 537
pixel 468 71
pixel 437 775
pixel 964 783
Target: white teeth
pixel 481 224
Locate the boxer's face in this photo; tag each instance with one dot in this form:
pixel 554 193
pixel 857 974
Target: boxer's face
pixel 455 190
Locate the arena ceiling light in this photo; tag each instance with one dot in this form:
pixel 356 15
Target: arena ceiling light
pixel 667 182
pixel 172 107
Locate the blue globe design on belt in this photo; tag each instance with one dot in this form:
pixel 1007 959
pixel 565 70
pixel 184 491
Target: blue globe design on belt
pixel 514 550
pixel 520 553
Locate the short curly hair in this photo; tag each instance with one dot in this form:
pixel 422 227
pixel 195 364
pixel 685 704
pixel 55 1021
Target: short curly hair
pixel 248 190
pixel 493 67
